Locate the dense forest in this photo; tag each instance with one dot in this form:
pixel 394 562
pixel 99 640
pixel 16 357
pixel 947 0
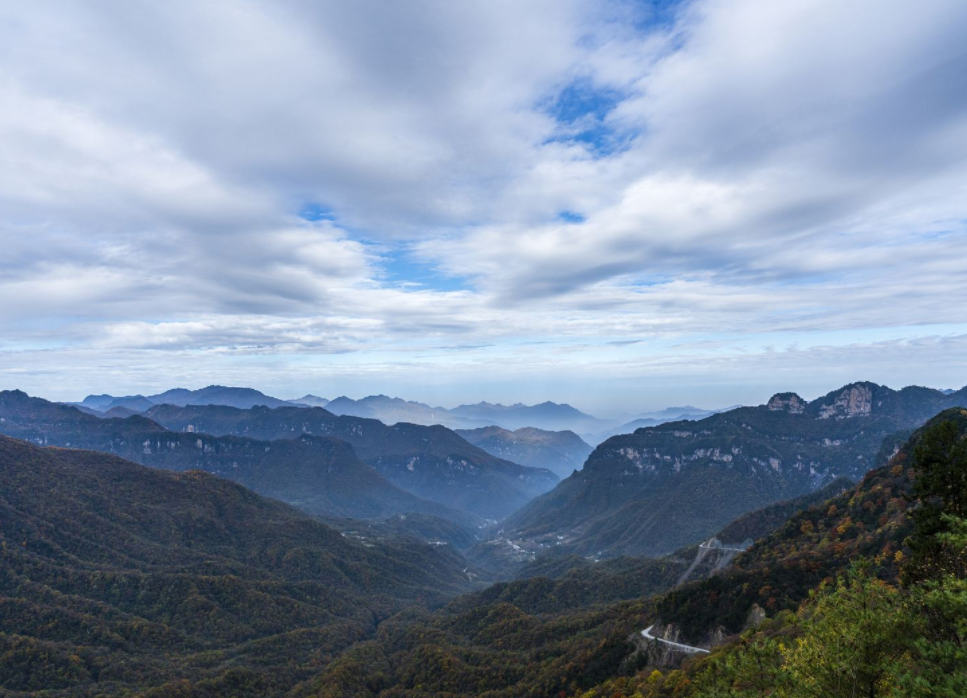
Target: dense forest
pixel 116 578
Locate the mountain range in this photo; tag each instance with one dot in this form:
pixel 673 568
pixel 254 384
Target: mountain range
pixel 212 395
pixel 547 416
pixel 318 474
pixel 432 462
pixel 657 489
pixel 124 580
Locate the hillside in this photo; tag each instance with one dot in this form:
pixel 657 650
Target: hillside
pixel 117 578
pixel 317 474
pixel 432 462
pixel 667 486
pixel 870 519
pixel 537 637
pixel 561 452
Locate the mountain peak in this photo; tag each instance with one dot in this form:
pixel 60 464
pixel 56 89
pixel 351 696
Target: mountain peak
pixel 786 402
pixel 853 400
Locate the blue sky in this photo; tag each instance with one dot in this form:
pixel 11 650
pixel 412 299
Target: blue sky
pixel 621 205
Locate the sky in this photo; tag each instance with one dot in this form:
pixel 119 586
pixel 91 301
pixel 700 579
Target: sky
pixel 619 204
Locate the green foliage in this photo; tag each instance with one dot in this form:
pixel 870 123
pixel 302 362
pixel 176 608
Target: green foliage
pixel 116 578
pixel 855 640
pixel 940 462
pixel 862 635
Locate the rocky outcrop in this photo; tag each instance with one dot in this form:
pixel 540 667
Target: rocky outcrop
pixel 854 401
pixel 757 616
pixel 786 402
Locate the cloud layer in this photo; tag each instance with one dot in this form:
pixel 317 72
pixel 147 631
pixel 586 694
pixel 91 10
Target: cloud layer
pixel 578 195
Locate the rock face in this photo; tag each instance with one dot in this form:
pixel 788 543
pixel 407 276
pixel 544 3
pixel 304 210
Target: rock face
pixel 854 401
pixel 786 402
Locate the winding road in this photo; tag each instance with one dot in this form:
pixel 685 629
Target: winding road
pixel 708 546
pixel 646 633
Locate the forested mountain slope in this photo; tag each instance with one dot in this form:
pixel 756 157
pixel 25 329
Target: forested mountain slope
pixel 115 578
pixel 561 452
pixel 538 638
pixel 663 487
pixel 432 462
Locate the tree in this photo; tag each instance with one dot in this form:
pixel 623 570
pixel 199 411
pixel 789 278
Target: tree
pixel 939 667
pixel 855 640
pixel 940 488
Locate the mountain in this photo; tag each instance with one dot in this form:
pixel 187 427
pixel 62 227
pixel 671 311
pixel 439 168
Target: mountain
pixel 653 419
pixel 550 416
pixel 118 412
pixel 212 395
pixel 814 543
pixel 547 416
pixel 217 395
pixel 317 474
pixel 389 410
pixel 310 401
pixel 103 403
pixel 118 579
pixel 431 461
pixel 561 452
pixel 666 486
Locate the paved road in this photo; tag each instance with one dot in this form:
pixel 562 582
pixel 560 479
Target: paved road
pixel 719 547
pixel 646 633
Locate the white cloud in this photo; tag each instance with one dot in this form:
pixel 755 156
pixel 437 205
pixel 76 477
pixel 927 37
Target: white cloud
pixel 796 167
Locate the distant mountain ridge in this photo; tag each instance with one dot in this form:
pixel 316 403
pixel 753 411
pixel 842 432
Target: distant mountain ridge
pixel 310 401
pixel 549 416
pixel 317 474
pixel 561 452
pixel 212 395
pixel 389 410
pixel 431 461
pixel 665 486
pixel 546 416
pixel 652 419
